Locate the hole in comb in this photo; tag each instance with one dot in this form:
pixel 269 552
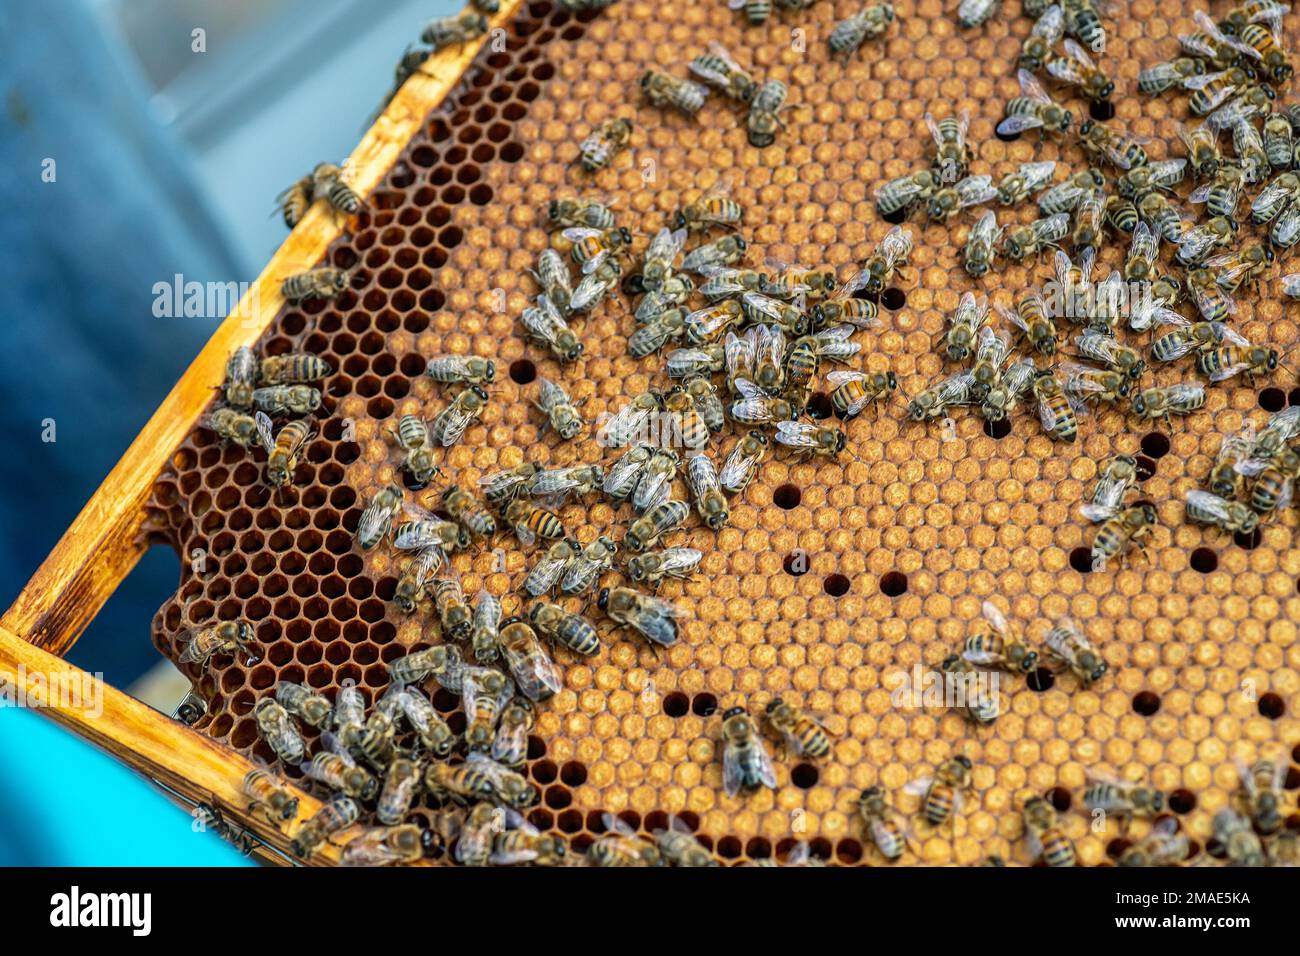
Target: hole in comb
pixel 1204 560
pixel 1102 110
pixel 1182 801
pixel 795 564
pixel 893 299
pixel 1272 399
pixel 893 584
pixel 897 217
pixel 1146 703
pixel 997 430
pixel 1040 680
pixel 1081 560
pixel 819 406
pixel 676 704
pixel 1248 542
pixel 1145 467
pixel 704 705
pixel 787 497
pixel 804 776
pixel 522 371
pixel 1155 445
pixel 836 585
pixel 1272 706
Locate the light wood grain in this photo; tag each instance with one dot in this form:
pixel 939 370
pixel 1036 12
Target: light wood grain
pixel 106 540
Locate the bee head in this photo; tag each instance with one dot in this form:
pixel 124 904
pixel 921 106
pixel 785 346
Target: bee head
pixel 891 382
pixel 740 243
pixel 517 619
pixel 774 704
pixel 602 600
pixel 679 221
pixel 489 371
pixel 1272 359
pixel 871 793
pixel 758 437
pixel 1107 88
pixel 625 234
pixel 646 79
pixel 963 760
pixel 732 712
pixel 1086 127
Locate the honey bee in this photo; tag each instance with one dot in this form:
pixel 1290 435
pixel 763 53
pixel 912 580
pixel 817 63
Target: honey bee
pixel 442 32
pixel 1028 178
pixel 592 248
pixel 653 567
pixel 663 90
pixel 1286 228
pixel 1046 840
pixel 1224 479
pixel 1025 241
pixel 530 522
pixel 1089 220
pixel 1120 149
pixel 336 769
pixel 266 793
pixel 724 251
pixel 295 200
pixel 1212 44
pixel 625 475
pixel 672 324
pixel 881 822
pixel 1033 109
pixel 225 638
pixel 1163 174
pixel 1221 514
pixel 604 143
pixel 292 369
pixel 891 255
pixel 941 794
pixel 309 707
pixel 1167 401
pixel 400 785
pixel 1105 350
pixel 1068 649
pixel 1275 484
pixel 556 484
pixel 1253 11
pixel 1274 198
pixel 981 245
pixel 478 835
pixel 333 816
pixel 854 391
pixel 619 846
pixel 705 395
pixel 1241 267
pixel 450 424
pixel 994 646
pixel 554 402
pixel 1273 62
pixel 765 113
pixel 869 23
pixel 443 663
pixel 935 402
pixel 382 846
pixel 965 326
pixel 665 517
pixel 743 462
pixel 1259 794
pixel 486 691
pixel 1118 533
pixel 1226 361
pixel 276 400
pixel 677 845
pixel 710 503
pixel 899 196
pixel 1249 148
pixel 745 763
pixel 1202 144
pixel 660 257
pixel 461 783
pixel 719 70
pixel 1117 477
pixel 278 730
pixel 1124 800
pixel 582 570
pixel 654 619
pixel 953 154
pixel 990 355
pixel 544 323
pixel 1165 76
pixel 685 419
pixel 809 439
pixel 802 734
pixel 323 283
pixel 328 182
pixel 1031 317
pixel 572 631
pixel 534 672
pixel 1241 845
pixel 654 484
pixel 971 13
pixel 975 704
pixel 283 449
pixel 1064 196
pixel 1043 37
pixel 510 745
pixel 1016 382
pixel 501 487
pixel 1163 846
pixel 949 201
pixel 434 732
pixel 453 612
pixel 1077 69
pixel 241 377
pixel 1055 412
pixel 1279 141
pixel 1239 115
pixel 521 842
pixel 567 213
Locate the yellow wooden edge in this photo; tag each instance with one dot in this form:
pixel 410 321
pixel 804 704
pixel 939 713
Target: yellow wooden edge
pixel 196 767
pixel 105 540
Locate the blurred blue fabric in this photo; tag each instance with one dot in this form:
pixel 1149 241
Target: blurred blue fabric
pixel 67 804
pixel 81 345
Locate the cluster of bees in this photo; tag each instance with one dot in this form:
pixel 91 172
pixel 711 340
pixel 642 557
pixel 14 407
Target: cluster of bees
pixel 766 334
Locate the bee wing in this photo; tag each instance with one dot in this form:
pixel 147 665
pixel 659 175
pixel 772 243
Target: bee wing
pixel 427 562
pixel 588 293
pixel 452 423
pixel 1078 53
pixel 1047 417
pixel 1291 284
pixel 918 787
pixel 904 187
pixel 681 561
pixel 840 376
pixel 666 245
pixel 1019 123
pixel 335 746
pixel 1098 513
pixel 736 469
pixel 796 434
pixel 974 190
pixel 264 432
pixel 1066 69
pixel 707 73
pixel 578 233
pixel 733 773
pixel 1209 503
pixel 933 125
pixel 1030 87
pixel 772 344
pixel 749 391
pixel 1050 24
pixel 995 617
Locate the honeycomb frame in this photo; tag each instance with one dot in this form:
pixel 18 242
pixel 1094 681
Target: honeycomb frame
pixel 904 537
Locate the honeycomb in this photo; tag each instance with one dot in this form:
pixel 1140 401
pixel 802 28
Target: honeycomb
pixel 904 536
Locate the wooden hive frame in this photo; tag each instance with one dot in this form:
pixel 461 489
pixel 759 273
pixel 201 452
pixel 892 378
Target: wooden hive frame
pixel 110 534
